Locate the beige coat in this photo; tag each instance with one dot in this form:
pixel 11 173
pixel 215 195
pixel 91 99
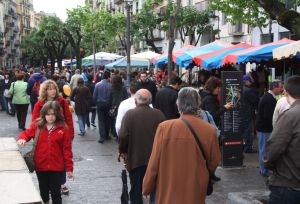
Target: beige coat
pixel 177 170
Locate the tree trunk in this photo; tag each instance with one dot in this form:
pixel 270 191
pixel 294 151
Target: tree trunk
pixel 172 21
pixel 289 19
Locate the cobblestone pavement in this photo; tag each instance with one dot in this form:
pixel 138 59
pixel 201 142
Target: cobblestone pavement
pixel 97 172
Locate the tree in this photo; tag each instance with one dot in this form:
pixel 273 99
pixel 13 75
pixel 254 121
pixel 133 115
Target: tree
pixel 74 29
pixel 52 31
pixel 145 23
pixel 172 23
pixel 34 50
pixel 192 23
pixel 257 12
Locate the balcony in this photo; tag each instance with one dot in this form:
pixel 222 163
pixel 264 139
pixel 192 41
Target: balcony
pixel 235 30
pixel 2 52
pixel 118 2
pixel 1 42
pixel 16 29
pixel 17 43
pixel 157 36
pixel 13 51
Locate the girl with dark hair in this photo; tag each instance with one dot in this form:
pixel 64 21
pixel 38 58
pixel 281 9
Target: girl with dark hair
pixel 53 151
pixel 118 94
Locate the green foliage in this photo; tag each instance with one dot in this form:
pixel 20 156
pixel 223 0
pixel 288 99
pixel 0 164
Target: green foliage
pixel 33 48
pixel 247 12
pixel 191 22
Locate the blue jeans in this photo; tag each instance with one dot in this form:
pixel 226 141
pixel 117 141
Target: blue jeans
pixel 10 110
pixel 284 195
pixel 81 122
pixel 136 176
pixel 92 118
pixel 248 136
pixel 262 140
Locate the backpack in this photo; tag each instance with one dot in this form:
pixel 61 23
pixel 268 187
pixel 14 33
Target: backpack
pixel 35 89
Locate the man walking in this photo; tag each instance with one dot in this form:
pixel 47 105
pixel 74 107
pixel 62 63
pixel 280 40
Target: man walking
pixel 165 99
pixel 145 83
pixel 283 152
pixel 101 98
pixel 264 126
pixel 177 169
pixel 136 138
pixel 249 105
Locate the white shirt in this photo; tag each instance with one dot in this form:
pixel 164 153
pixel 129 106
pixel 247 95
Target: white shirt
pixel 123 108
pixel 281 106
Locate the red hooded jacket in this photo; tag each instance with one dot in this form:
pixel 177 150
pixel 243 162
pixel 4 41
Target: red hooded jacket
pixel 53 151
pixel 65 111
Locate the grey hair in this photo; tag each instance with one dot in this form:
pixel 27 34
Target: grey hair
pixel 188 100
pixel 142 100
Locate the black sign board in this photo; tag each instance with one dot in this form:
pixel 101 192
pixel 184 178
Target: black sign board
pixel 232 121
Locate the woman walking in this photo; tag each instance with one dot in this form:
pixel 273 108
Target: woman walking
pixel 20 99
pixel 82 97
pixel 49 92
pixel 118 94
pixel 53 151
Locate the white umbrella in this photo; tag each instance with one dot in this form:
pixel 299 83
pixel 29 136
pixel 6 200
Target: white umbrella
pixel 103 56
pixel 145 55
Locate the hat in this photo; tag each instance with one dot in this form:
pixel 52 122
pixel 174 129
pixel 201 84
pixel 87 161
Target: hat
pixel 246 78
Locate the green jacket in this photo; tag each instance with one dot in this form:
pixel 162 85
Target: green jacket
pixel 18 92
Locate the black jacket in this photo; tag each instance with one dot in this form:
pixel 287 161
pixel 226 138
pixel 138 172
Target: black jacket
pixel 265 112
pixel 210 103
pixel 250 102
pixel 150 86
pixel 165 101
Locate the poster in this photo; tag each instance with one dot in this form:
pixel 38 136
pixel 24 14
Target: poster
pixel 232 121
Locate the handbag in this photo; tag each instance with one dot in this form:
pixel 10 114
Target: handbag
pixel 210 188
pixel 29 156
pixel 113 111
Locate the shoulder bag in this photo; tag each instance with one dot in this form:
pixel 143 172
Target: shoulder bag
pixel 210 183
pixel 29 156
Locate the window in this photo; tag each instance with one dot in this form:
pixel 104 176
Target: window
pixel 201 6
pixel 284 35
pixel 266 38
pixel 136 7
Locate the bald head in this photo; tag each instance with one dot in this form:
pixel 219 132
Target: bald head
pixel 143 97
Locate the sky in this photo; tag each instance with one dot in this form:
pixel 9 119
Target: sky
pixel 56 6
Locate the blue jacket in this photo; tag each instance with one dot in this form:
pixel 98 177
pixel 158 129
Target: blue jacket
pixel 102 91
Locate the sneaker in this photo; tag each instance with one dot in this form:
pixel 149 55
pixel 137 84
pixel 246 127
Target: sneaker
pixel 81 134
pixel 93 124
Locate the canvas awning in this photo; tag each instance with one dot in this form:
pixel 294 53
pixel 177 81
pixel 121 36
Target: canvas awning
pixel 287 51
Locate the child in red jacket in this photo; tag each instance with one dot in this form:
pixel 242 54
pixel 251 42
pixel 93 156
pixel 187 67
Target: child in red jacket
pixel 53 151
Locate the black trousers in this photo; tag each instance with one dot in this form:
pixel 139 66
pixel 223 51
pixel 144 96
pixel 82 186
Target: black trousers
pixel 50 181
pixel 136 176
pixel 103 120
pixel 21 110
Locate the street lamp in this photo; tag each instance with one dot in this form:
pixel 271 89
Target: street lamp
pixel 128 43
pixel 214 16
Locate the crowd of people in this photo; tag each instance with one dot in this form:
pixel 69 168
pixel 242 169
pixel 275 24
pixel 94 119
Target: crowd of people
pixel 165 132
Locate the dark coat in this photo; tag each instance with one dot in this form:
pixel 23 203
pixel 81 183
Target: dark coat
pixel 137 134
pixel 165 101
pixel 265 112
pixel 117 96
pixel 91 87
pixel 150 86
pixel 82 97
pixel 210 103
pixel 250 102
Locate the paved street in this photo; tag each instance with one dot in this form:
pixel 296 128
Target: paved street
pixel 97 172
